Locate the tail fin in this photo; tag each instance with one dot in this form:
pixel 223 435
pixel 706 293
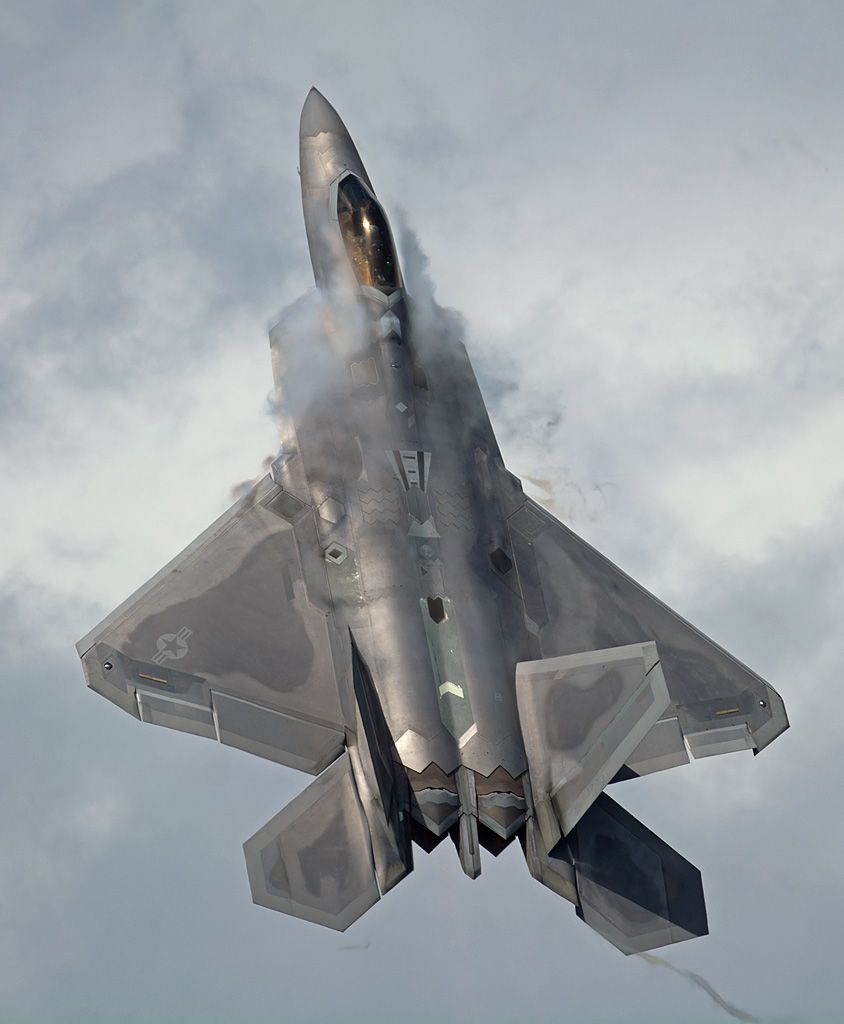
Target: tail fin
pixel 627 884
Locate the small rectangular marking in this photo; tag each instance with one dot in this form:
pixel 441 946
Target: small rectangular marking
pixel 155 679
pixel 728 711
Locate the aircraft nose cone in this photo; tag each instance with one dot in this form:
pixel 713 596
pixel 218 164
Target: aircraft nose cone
pixel 319 116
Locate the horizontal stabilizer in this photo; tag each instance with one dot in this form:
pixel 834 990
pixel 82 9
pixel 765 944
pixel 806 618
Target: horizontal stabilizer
pixel 582 716
pixel 314 858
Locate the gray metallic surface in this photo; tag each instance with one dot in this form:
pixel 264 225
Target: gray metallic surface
pixel 382 784
pixel 225 643
pixel 662 748
pixel 365 612
pixel 553 868
pixel 592 604
pixel 632 887
pixel 582 716
pixel 313 859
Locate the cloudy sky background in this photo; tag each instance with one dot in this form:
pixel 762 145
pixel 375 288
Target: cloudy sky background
pixel 637 208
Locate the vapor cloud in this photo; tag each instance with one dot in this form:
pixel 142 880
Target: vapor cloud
pixel 243 487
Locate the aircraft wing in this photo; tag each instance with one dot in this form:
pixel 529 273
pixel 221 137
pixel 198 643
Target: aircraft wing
pixel 230 641
pixel 577 601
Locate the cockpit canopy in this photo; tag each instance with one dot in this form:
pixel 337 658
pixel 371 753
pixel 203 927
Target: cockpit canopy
pixel 366 235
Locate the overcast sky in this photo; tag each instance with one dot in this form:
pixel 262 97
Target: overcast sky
pixel 637 208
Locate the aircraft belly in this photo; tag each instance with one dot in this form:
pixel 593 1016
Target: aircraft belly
pixel 393 645
pixel 447 688
pixel 406 515
pixel 444 632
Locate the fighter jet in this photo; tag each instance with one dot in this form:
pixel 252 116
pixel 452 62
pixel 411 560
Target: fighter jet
pixel 388 611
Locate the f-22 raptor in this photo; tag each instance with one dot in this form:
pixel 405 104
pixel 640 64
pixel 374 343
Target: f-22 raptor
pixel 387 611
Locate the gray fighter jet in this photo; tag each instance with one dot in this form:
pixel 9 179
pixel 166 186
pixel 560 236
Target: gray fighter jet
pixel 387 610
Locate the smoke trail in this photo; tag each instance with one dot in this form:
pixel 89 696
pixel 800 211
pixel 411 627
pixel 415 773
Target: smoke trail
pixel 701 982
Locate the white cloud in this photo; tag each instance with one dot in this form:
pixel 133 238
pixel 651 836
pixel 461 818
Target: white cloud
pixel 737 504
pixel 120 482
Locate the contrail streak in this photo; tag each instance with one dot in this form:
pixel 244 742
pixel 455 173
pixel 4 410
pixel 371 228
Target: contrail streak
pixel 701 982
